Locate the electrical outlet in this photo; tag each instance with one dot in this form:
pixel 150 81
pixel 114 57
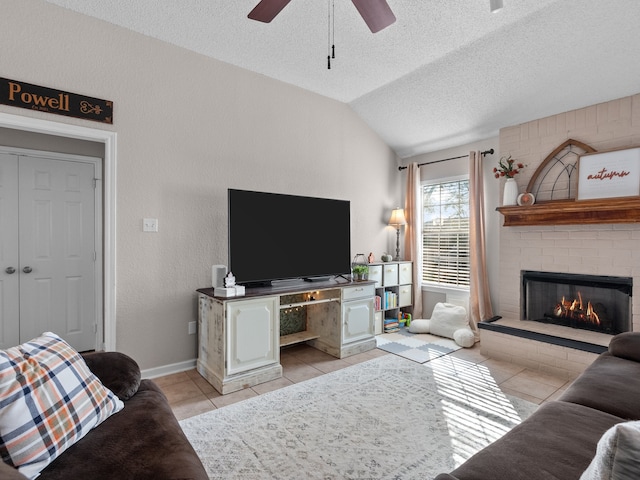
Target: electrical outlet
pixel 192 328
pixel 149 224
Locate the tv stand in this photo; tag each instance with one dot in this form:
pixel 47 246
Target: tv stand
pixel 240 337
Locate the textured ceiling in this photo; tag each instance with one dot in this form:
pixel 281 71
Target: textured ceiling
pixel 448 72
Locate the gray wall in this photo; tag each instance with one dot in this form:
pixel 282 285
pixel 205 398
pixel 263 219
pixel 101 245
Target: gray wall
pixel 10 137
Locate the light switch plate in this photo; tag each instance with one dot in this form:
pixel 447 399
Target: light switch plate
pixel 149 224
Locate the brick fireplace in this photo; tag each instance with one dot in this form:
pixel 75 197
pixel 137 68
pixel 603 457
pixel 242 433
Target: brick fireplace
pixel 610 250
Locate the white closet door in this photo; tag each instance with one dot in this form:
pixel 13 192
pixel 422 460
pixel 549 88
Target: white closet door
pixel 9 261
pixel 57 250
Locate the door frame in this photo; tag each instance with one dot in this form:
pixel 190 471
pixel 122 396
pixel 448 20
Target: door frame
pixel 109 139
pixel 97 223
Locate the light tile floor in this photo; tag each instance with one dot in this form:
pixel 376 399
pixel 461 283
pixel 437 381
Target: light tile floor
pixel 189 394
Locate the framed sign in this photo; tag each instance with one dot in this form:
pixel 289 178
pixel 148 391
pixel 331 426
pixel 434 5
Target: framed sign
pixel 615 173
pixel 59 102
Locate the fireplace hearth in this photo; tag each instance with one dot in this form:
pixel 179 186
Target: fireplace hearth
pixel 588 302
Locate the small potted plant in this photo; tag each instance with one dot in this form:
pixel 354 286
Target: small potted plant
pixel 360 272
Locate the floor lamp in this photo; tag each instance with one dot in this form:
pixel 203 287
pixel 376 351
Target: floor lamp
pixel 397 220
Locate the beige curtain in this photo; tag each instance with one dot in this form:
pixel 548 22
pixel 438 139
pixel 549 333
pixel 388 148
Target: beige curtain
pixel 479 294
pixel 413 234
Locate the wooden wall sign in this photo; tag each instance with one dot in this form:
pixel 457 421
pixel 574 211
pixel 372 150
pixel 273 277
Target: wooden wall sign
pixel 614 173
pixel 34 97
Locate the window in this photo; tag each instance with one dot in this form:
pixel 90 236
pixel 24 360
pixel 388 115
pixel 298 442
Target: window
pixel 445 233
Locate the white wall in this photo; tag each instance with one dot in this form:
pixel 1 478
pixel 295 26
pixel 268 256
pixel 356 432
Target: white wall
pixel 189 128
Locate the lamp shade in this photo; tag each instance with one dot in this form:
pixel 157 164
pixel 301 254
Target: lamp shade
pixel 397 217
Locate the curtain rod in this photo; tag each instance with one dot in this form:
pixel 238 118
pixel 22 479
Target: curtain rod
pixel 486 152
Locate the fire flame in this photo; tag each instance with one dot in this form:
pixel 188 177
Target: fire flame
pixel 574 309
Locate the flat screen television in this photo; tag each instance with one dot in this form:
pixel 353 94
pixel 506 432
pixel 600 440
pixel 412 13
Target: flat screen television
pixel 280 237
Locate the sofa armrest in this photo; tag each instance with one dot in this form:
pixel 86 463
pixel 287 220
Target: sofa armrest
pixel 117 371
pixel 626 345
pixel 7 472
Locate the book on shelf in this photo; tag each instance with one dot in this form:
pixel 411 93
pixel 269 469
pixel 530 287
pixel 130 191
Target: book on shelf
pixel 391 325
pixel 390 300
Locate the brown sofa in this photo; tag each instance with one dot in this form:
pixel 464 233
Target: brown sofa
pixel 142 441
pixel 558 442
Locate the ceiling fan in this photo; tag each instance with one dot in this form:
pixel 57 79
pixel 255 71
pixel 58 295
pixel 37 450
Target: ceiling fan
pixel 376 13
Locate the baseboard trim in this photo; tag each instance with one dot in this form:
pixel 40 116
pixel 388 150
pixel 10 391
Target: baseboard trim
pixel 169 369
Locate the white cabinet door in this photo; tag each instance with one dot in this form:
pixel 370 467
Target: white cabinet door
pixel 253 334
pixel 390 275
pixel 406 275
pixel 404 295
pixel 378 323
pixel 57 250
pixel 375 274
pixel 357 317
pixel 9 253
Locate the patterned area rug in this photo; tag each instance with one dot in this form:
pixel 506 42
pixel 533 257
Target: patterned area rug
pixel 419 347
pixel 388 418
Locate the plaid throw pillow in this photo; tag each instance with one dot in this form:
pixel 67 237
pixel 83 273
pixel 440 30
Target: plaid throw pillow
pixel 49 399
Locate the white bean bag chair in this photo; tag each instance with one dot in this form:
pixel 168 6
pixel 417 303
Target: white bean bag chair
pixel 449 321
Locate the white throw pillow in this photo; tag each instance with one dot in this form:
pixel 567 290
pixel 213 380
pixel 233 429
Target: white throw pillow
pixel 447 318
pixel 464 337
pixel 49 399
pixel 420 325
pixel 617 455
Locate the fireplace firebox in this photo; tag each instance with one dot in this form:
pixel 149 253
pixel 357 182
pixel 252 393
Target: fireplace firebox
pixel 589 302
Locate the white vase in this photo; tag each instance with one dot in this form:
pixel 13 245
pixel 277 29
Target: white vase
pixel 510 196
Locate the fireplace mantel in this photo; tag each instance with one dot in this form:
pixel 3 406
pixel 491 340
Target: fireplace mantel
pixel 574 212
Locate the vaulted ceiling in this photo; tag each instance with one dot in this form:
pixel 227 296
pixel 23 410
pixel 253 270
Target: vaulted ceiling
pixel 446 73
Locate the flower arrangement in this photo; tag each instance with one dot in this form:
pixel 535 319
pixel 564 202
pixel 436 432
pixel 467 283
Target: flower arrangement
pixel 507 167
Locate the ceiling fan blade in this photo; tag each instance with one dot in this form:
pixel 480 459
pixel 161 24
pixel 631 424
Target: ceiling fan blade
pixel 376 13
pixel 266 10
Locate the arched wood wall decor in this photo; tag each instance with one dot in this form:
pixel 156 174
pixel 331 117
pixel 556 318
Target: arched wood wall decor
pixel 555 162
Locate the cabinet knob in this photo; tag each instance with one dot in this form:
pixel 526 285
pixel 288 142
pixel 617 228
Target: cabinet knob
pixel 10 270
pixel 27 269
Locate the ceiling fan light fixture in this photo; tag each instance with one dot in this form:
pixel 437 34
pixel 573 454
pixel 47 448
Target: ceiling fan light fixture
pixel 495 5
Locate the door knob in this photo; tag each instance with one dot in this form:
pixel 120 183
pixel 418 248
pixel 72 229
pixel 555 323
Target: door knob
pixel 27 269
pixel 10 270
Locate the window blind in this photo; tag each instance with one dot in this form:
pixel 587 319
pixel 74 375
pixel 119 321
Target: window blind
pixel 445 233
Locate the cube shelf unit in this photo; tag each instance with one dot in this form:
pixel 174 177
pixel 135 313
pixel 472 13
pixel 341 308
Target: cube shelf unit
pixel 394 285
